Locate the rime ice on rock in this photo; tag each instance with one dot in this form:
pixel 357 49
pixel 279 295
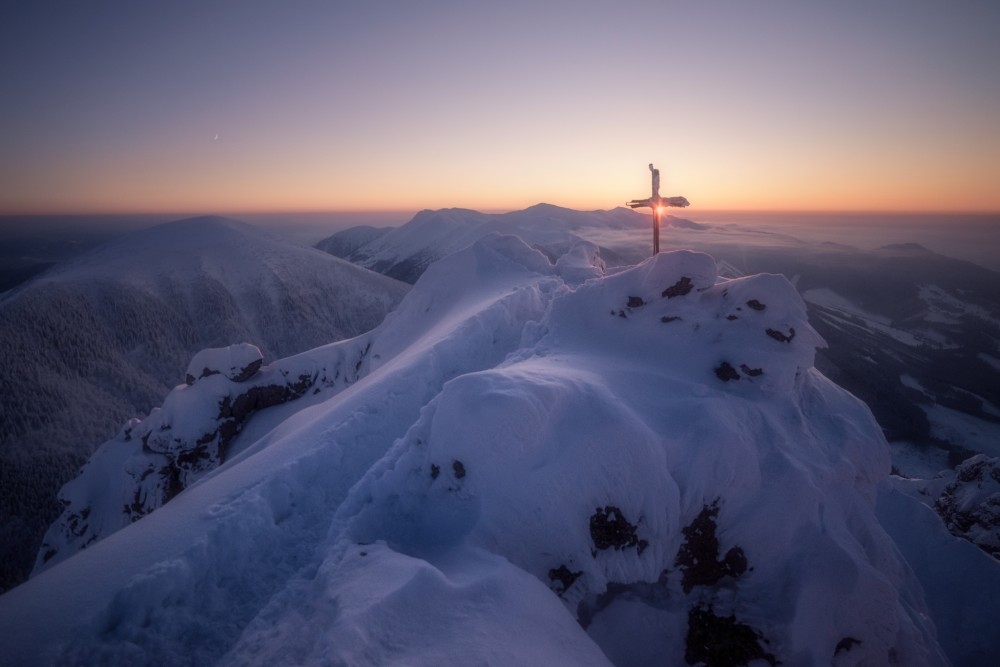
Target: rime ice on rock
pixel 236 362
pixel 968 501
pixel 151 461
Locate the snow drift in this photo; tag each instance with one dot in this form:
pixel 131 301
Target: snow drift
pixel 532 463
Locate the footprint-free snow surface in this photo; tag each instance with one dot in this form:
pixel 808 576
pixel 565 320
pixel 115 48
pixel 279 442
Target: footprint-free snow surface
pixel 527 463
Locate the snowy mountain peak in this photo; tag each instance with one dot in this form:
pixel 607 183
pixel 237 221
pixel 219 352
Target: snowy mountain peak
pixel 543 208
pixel 905 248
pixel 672 313
pixel 406 252
pixel 633 467
pixel 192 248
pixel 460 216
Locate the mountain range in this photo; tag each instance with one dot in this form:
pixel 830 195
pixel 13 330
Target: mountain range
pixel 913 333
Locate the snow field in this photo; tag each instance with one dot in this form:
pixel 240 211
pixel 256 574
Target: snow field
pixel 515 477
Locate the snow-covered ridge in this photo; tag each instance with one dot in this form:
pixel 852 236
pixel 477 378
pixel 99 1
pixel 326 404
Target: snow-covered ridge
pixel 536 463
pixel 104 337
pixel 405 252
pixel 150 461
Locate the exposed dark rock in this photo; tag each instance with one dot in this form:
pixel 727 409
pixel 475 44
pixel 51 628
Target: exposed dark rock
pixel 458 468
pixel 236 411
pixel 621 313
pixel 726 372
pixel 846 644
pixel 77 524
pixel 205 372
pixel 564 576
pixel 183 459
pixel 668 318
pixel 172 485
pixel 248 371
pixel 755 304
pixel 635 302
pixel 435 471
pixel 680 288
pixel 610 529
pixel 971 471
pixel 190 459
pixel 735 562
pixel 720 641
pixel 752 372
pixel 782 337
pixel 698 556
pixel 361 359
pixel 732 317
pixel 970 504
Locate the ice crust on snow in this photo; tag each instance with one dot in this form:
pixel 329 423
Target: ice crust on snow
pixel 521 456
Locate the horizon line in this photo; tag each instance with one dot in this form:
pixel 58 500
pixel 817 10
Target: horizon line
pixel 411 211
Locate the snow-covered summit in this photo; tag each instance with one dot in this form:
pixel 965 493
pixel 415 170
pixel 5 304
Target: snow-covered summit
pixel 529 463
pixel 407 251
pixel 188 250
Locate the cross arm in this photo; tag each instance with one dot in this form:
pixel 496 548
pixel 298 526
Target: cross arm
pixel 639 203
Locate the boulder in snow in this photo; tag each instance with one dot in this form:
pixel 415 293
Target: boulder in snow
pixel 237 362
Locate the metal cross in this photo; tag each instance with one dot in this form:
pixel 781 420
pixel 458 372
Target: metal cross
pixel 656 202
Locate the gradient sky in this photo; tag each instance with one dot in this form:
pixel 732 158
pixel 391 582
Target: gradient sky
pixel 202 106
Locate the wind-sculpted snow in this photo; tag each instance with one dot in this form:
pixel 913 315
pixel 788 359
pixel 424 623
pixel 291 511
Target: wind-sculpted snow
pixel 535 463
pixel 151 461
pixel 899 311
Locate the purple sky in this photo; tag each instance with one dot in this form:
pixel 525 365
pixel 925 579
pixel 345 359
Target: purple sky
pixel 251 105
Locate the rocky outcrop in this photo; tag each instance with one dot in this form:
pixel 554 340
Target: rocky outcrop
pixel 698 557
pixel 153 460
pixel 969 502
pixel 237 362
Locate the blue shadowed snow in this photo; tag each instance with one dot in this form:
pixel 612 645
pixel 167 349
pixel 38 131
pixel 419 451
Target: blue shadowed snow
pixel 533 464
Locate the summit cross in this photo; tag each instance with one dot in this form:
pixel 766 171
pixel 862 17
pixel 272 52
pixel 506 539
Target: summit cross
pixel 656 202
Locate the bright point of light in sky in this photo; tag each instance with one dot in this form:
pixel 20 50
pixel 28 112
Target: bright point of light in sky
pixel 249 106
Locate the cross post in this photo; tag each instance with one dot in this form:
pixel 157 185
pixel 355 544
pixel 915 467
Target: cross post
pixel 656 202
